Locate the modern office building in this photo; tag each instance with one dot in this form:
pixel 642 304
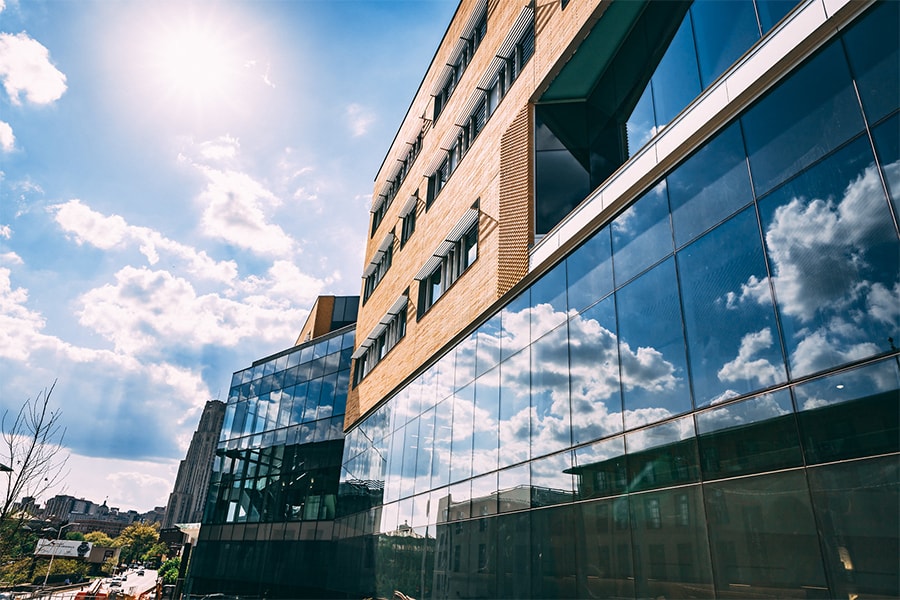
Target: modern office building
pixel 268 526
pixel 629 315
pixel 188 498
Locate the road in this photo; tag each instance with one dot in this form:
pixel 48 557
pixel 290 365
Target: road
pixel 134 584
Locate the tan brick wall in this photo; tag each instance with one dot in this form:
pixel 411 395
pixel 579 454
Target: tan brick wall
pixel 319 320
pixel 497 171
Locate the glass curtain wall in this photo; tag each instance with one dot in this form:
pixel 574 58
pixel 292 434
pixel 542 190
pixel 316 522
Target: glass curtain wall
pixel 700 401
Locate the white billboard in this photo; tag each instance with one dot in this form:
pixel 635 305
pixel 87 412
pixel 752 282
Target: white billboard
pixel 63 548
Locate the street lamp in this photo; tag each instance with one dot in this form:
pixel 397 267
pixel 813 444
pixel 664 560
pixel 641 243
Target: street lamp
pixel 53 551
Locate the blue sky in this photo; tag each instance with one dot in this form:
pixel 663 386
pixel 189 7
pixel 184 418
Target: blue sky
pixel 178 182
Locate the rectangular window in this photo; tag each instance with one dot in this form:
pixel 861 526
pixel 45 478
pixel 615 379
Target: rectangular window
pixel 471 39
pixel 379 266
pixel 453 263
pixel 382 340
pixel 408 226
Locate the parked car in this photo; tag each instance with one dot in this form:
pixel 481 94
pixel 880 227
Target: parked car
pixel 140 572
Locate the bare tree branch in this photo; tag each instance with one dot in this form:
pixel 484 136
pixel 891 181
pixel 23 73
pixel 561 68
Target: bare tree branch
pixel 32 448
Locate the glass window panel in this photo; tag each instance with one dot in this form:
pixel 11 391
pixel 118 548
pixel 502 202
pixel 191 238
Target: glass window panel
pixel 548 301
pixel 873 45
pixel 485 447
pixel 860 527
pixel 772 11
pixel 550 408
pixel 553 554
pixel 651 348
pixel 440 464
pixel 763 536
pixel 802 119
pixel 600 469
pixel 561 182
pixel 515 409
pixel 641 125
pixel 589 271
pixel 489 335
pixel 515 319
pixel 464 363
pixel 326 396
pixel 676 81
pixel 732 335
pixel 671 548
pixel 552 480
pixel 603 552
pixel 425 450
pixel 514 488
pixel 463 424
pixel 851 414
pixel 312 400
pixel 394 472
pixel 662 455
pixel 723 32
pixel 752 436
pixel 340 392
pixel 460 500
pixel 835 261
pixel 594 373
pixel 410 454
pixel 484 495
pixel 299 394
pixel 711 185
pixel 887 147
pixel 641 235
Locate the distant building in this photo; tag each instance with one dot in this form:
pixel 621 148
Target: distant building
pixel 187 500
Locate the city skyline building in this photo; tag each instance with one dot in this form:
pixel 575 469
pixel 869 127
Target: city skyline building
pixel 188 498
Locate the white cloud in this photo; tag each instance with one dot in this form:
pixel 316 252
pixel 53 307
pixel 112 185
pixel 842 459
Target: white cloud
pixel 223 148
pixel 745 367
pixel 108 232
pixel 234 206
pixel 129 484
pixel 7 139
pixel 359 119
pixel 11 258
pixel 25 69
pixel 19 326
pixel 5 231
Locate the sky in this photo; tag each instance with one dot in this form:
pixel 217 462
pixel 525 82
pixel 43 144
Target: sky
pixel 178 182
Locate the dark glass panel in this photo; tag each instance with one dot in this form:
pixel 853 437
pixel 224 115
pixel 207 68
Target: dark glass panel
pixel 671 551
pixel 723 32
pixel 887 148
pixel 752 436
pixel 551 480
pixel 561 182
pixel 515 409
pixel 550 409
pixel 589 271
pixel 677 80
pixel 851 414
pixel 873 45
pixel 463 424
pixel 772 11
pixel 641 235
pixel 729 315
pixel 600 469
pixel 514 556
pixel 663 455
pixel 763 537
pixel 856 505
pixel 801 120
pixel 835 261
pixel 299 405
pixel 553 566
pixel 548 301
pixel 651 348
pixel 711 185
pixel 603 551
pixel 594 373
pixel 485 443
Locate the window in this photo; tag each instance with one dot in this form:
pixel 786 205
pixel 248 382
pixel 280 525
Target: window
pixel 392 186
pixel 466 48
pixel 381 340
pixel 379 266
pixel 450 261
pixel 506 70
pixel 408 219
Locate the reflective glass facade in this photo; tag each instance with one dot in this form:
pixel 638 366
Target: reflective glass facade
pixel 272 496
pixel 699 401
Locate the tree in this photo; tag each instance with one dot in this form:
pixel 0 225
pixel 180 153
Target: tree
pixel 169 570
pixel 32 459
pixel 136 540
pixel 98 538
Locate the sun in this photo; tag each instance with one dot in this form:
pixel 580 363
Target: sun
pixel 195 62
